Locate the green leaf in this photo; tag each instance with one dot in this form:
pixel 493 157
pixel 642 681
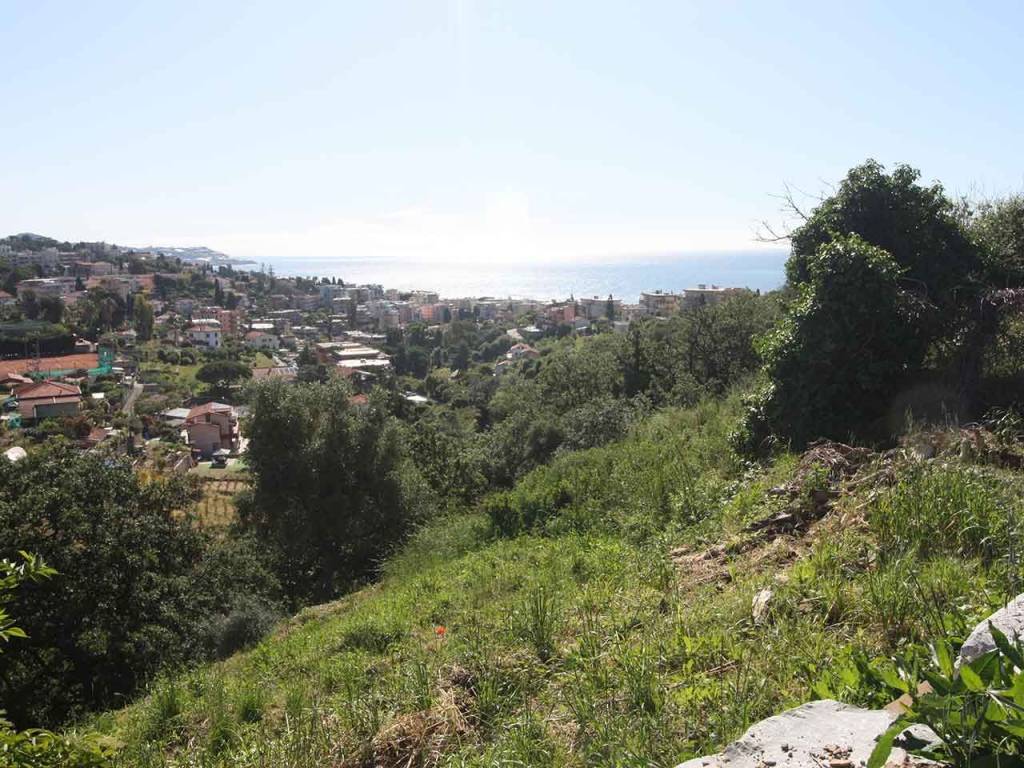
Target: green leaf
pixel 944 657
pixel 884 746
pixel 971 679
pixel 940 683
pixel 888 676
pixel 1012 727
pixel 1009 650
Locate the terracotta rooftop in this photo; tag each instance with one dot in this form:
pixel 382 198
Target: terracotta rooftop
pixel 47 389
pixel 205 408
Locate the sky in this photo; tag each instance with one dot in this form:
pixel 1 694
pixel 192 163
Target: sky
pixel 464 130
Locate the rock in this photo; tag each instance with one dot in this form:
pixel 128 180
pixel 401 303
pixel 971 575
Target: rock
pixel 820 733
pixel 1009 620
pixel 759 605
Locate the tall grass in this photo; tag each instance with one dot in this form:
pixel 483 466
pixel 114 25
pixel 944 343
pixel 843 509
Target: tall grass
pixel 946 510
pixel 576 640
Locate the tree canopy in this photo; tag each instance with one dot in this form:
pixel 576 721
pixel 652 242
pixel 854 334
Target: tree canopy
pixel 333 488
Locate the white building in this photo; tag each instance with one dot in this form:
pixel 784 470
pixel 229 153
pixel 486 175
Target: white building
pixel 206 335
pixel 261 340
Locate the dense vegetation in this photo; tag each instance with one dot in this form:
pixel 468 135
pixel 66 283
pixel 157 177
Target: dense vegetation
pixel 140 588
pixel 900 292
pixel 601 613
pixel 566 553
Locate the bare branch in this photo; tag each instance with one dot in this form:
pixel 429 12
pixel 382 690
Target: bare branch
pixel 767 234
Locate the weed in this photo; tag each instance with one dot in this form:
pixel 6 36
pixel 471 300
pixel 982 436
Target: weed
pixel 539 621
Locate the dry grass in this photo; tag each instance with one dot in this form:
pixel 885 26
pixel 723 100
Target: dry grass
pixel 216 508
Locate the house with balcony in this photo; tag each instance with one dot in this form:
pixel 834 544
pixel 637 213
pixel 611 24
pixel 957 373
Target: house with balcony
pixel 207 334
pixel 212 427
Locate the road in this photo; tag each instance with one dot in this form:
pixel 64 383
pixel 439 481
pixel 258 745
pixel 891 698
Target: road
pixel 128 407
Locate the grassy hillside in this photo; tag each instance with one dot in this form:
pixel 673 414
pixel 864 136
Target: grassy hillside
pixel 600 613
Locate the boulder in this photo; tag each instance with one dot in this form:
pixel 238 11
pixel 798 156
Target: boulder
pixel 819 734
pixel 1009 620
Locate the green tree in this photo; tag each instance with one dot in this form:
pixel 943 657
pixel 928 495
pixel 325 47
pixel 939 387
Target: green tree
pixel 222 374
pixel 30 305
pixel 919 226
pixel 882 242
pixel 332 488
pixel 51 309
pixel 36 748
pixel 142 315
pixel 100 311
pixel 999 227
pixel 122 605
pixel 849 342
pixel 140 583
pixel 12 574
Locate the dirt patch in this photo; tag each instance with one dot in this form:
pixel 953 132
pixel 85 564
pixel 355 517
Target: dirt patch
pixel 216 507
pixel 826 471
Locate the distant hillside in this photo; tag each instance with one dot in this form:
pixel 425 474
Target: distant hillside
pixel 29 241
pixel 194 253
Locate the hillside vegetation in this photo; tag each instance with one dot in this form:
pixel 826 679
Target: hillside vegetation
pixel 622 550
pixel 616 628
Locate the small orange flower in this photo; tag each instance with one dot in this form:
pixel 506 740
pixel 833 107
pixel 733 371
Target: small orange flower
pixel 440 631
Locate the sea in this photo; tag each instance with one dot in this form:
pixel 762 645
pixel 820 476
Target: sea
pixel 624 278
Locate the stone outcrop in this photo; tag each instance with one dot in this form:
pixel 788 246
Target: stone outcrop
pixel 819 734
pixel 1009 620
pixel 829 734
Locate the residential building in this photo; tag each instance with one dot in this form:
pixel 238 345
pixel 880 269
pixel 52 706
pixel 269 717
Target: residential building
pixel 660 303
pixel 206 334
pixel 47 286
pixel 424 297
pixel 261 340
pixel 306 302
pixel 330 292
pixel 47 399
pixel 595 308
pixel 47 259
pixel 212 427
pixel 520 351
pixel 91 268
pixel 185 306
pixel 704 295
pixel 559 313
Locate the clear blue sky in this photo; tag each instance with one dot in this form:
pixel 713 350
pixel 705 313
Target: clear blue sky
pixel 483 130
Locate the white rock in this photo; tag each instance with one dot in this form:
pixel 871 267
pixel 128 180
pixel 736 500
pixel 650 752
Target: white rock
pixel 759 605
pixel 1009 620
pixel 805 732
pixel 15 454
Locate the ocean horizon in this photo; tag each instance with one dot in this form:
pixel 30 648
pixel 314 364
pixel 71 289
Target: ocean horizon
pixel 762 270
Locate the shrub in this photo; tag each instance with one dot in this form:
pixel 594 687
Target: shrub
pixel 248 622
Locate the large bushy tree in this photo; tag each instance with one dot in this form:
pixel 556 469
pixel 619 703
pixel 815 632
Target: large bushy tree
pixel 848 342
pixel 887 280
pixel 222 374
pixel 921 227
pixel 333 489
pixel 138 581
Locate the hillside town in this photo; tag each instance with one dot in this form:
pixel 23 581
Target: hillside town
pixel 144 353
